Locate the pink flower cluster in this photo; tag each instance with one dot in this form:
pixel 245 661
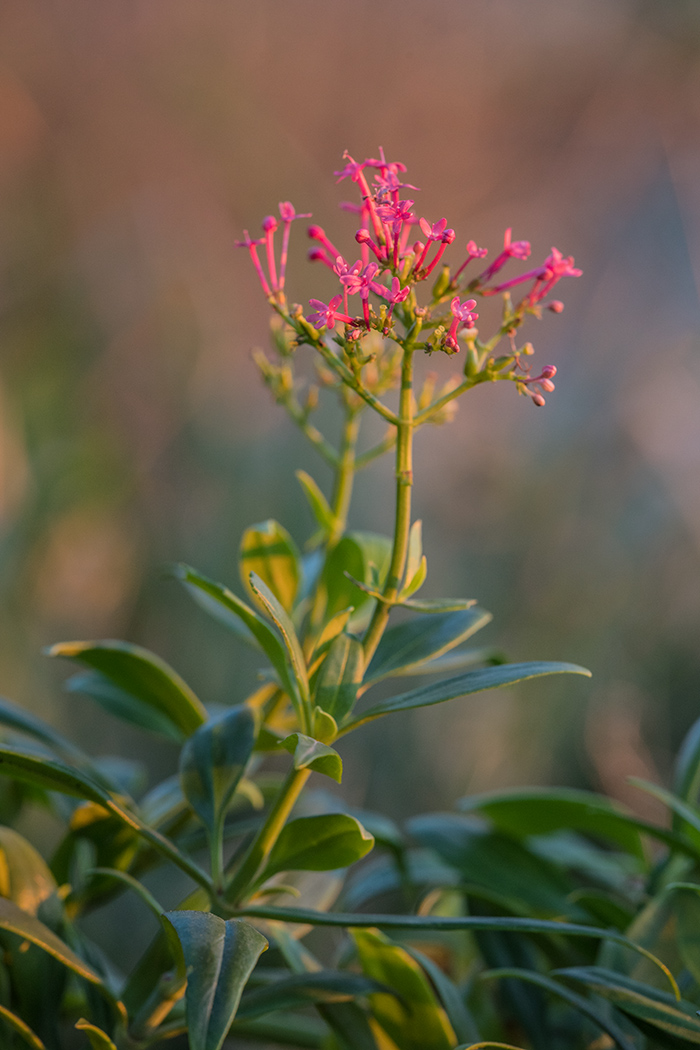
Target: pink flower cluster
pixel 391 264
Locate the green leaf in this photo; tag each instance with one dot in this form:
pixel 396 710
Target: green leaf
pixel 25 877
pixel 98 1039
pixel 455 661
pixel 220 957
pixel 312 754
pixel 339 677
pixel 321 986
pixel 268 551
pixel 28 927
pixel 143 675
pixel 123 705
pixel 415 1020
pixel 463 685
pixel 449 995
pixel 278 615
pixel 417 580
pixel 686 909
pixel 421 639
pixel 414 558
pixel 258 629
pixel 688 814
pixel 659 1009
pixel 22 1029
pixel 322 843
pixel 213 761
pixel 15 717
pixel 620 1038
pixel 356 553
pixel 540 811
pixel 320 508
pixel 686 775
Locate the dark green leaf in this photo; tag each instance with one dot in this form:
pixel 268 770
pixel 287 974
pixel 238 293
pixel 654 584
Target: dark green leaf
pixel 421 639
pixel 539 811
pixel 464 685
pixel 15 717
pixel 286 1029
pixel 212 763
pixel 657 1008
pixel 124 705
pixel 356 553
pixel 620 1038
pixel 321 986
pixel 143 675
pixel 689 815
pixel 268 551
pixel 450 996
pixel 99 1040
pixel 220 957
pixel 412 1018
pixel 312 754
pixel 339 677
pixel 686 909
pixel 28 927
pixel 322 843
pixel 17 1024
pixel 259 630
pixel 25 877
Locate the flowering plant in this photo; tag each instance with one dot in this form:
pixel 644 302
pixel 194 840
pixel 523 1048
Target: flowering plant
pixel 495 912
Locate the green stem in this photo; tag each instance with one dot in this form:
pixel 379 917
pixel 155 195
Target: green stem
pixel 344 373
pixel 263 842
pixel 342 490
pixel 424 416
pixel 402 524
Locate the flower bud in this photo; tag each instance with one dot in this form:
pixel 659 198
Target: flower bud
pixel 442 283
pixel 556 306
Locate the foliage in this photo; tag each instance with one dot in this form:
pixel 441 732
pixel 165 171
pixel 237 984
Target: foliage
pixel 550 918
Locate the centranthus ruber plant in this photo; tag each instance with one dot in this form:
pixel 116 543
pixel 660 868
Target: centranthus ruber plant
pixel 536 916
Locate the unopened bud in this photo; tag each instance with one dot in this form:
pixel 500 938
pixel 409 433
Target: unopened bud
pixel 556 306
pixel 269 223
pixel 538 400
pixel 448 236
pixel 549 371
pixel 471 365
pixel 362 236
pixel 311 403
pixel 316 255
pixel 316 233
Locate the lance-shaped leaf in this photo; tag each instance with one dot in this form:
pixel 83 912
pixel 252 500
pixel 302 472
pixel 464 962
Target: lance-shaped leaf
pixel 540 811
pixel 323 843
pixel 142 675
pixel 658 1009
pixel 220 956
pixel 413 1018
pixel 463 685
pixel 99 1040
pixel 423 638
pixel 318 503
pixel 312 754
pixel 321 986
pixel 124 705
pixel 268 550
pixel 25 877
pixel 282 621
pixel 258 630
pixel 339 677
pixel 212 763
pixel 28 927
pixel 29 1037
pixel 15 717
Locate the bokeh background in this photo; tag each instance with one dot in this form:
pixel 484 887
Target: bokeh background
pixel 139 138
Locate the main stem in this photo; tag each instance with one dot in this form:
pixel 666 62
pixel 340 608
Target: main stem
pixel 402 524
pixel 263 842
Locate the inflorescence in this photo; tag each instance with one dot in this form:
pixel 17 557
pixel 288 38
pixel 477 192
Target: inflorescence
pixel 392 265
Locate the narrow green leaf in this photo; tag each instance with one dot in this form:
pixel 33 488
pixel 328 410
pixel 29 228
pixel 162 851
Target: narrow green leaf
pixel 415 551
pixel 688 814
pixel 356 553
pixel 437 605
pixel 414 1019
pixel 657 1008
pixel 540 811
pixel 143 675
pixel 285 1029
pixel 321 986
pixel 98 1039
pixel 259 630
pixel 213 761
pixel 450 996
pixel 268 551
pixel 312 754
pixel 686 775
pixel 584 1006
pixel 124 705
pixel 421 639
pixel 416 581
pixel 15 717
pixel 220 956
pixel 322 843
pixel 464 685
pixel 279 616
pixel 339 677
pixel 14 920
pixel 686 908
pixel 320 508
pixel 454 661
pixel 22 1029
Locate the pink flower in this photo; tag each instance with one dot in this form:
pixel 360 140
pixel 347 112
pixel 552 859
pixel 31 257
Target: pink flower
pixel 511 250
pixel 252 247
pixel 362 282
pixel 326 316
pixel 472 253
pixel 395 294
pixel 288 215
pixel 463 317
pixel 317 233
pixel 269 225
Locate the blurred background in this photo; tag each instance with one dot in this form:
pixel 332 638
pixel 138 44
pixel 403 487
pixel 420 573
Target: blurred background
pixel 138 139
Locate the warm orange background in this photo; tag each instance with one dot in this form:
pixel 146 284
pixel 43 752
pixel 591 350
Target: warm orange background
pixel 138 139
